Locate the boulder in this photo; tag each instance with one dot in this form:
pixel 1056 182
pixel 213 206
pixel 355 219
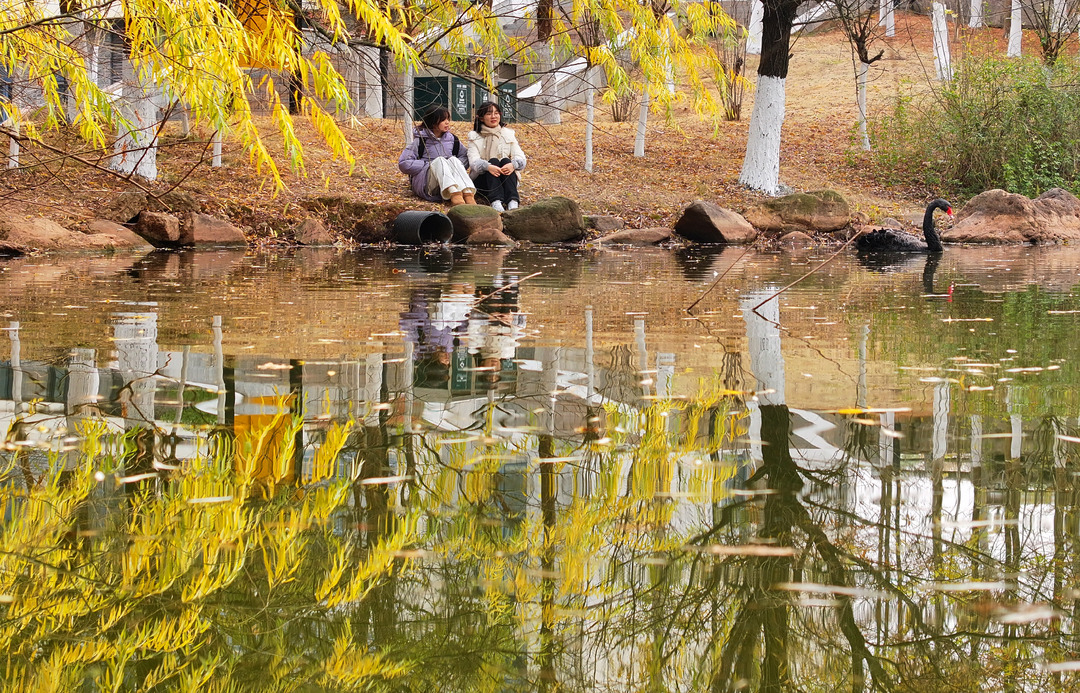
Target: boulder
pixel 122 235
pixel 473 219
pixel 637 237
pixel 126 206
pixel 706 222
pixel 18 236
pixel 819 210
pixel 996 216
pixel 203 229
pixel 489 237
pixel 312 232
pixel 796 240
pixel 554 220
pixel 605 224
pixel 175 201
pixel 159 228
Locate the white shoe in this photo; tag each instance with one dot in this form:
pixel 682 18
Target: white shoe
pixel 512 204
pixel 497 205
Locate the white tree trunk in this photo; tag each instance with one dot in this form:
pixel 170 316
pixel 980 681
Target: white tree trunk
pixel 975 21
pixel 1057 19
pixel 761 167
pixel 890 18
pixel 753 37
pixel 407 96
pixel 864 137
pixel 942 60
pixel 642 122
pixel 13 149
pixel 372 78
pixel 135 150
pixel 549 96
pixel 1016 25
pixel 590 115
pixel 215 143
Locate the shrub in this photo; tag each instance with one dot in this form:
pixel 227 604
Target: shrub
pixel 1000 123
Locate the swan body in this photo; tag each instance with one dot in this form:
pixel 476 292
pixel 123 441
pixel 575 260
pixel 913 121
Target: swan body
pixel 891 240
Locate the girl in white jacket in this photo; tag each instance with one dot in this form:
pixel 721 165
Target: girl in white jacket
pixel 495 157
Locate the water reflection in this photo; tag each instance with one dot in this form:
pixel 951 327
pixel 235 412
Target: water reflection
pixel 512 481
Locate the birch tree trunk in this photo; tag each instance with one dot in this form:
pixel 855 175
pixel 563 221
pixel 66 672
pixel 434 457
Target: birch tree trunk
pixel 863 136
pixel 975 21
pixel 642 122
pixel 753 37
pixel 135 150
pixel 1016 25
pixel 13 149
pixel 407 95
pixel 372 78
pixel 590 115
pixel 215 143
pixel 890 18
pixel 761 165
pixel 549 98
pixel 942 60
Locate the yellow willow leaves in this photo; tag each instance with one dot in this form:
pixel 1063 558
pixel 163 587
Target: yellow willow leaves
pixel 351 666
pixel 326 456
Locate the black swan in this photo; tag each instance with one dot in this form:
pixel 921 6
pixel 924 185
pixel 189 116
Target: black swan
pixel 890 240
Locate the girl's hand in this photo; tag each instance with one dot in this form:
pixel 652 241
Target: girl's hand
pixel 507 169
pixel 495 170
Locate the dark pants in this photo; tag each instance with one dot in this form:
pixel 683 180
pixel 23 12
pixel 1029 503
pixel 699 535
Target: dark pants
pixel 501 188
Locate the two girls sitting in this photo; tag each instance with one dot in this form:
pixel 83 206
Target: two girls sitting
pixel 439 169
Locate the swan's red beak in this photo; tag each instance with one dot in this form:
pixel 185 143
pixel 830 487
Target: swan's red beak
pixel 949 211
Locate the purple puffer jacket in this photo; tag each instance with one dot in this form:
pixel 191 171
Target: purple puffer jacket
pixel 417 168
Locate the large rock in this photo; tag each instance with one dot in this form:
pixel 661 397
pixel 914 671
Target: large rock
pixel 605 224
pixel 996 216
pixel 122 235
pixel 159 228
pixel 175 201
pixel 202 229
pixel 706 222
pixel 819 210
pixel 636 237
pixel 312 232
pixel 489 237
pixel 555 220
pixel 470 220
pixel 25 235
pixel 126 206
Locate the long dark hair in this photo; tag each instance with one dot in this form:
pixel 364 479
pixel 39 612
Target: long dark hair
pixel 435 115
pixel 482 111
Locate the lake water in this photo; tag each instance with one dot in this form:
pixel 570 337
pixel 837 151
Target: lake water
pixel 536 470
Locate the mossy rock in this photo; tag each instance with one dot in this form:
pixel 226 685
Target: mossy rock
pixel 474 220
pixel 554 220
pixel 817 210
pixel 362 222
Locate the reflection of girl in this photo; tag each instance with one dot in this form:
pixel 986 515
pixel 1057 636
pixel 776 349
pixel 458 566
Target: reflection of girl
pixel 435 161
pixel 495 158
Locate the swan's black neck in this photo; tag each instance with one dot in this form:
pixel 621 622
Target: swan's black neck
pixel 933 241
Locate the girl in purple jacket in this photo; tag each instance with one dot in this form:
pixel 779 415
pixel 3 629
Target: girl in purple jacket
pixel 436 161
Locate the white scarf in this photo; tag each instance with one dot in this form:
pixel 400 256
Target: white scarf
pixel 492 142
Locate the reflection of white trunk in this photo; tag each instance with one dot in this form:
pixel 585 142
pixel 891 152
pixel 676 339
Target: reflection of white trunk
pixel 642 122
pixel 135 151
pixel 761 167
pixel 763 342
pixel 942 61
pixel 975 21
pixel 753 36
pixel 590 371
pixel 860 387
pixel 1017 424
pixel 219 367
pixel 863 136
pixel 885 437
pixel 137 350
pixel 16 363
pixel 373 372
pixel 1016 25
pixel 643 356
pixel 941 420
pixel 976 441
pixel 590 116
pixel 407 96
